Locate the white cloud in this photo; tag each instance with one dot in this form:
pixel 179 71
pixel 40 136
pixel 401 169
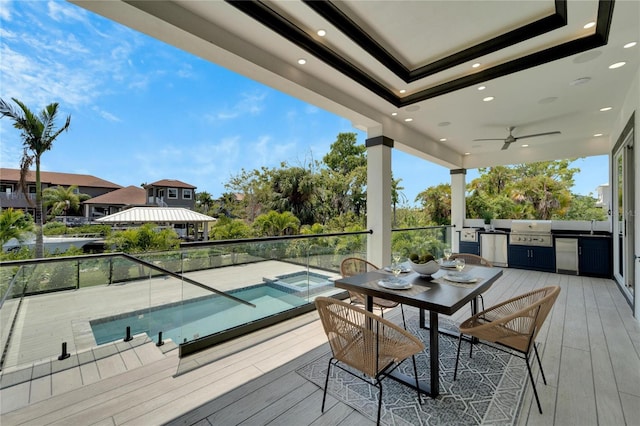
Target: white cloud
pixel 60 12
pixel 106 115
pixel 248 104
pixel 5 10
pixel 266 153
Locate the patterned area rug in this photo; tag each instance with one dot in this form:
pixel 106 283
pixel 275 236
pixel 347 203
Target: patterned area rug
pixel 488 390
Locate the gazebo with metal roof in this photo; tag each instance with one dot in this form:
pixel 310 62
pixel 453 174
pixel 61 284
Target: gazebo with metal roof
pixel 160 216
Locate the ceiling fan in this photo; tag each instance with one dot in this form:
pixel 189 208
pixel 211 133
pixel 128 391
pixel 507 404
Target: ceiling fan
pixel 511 139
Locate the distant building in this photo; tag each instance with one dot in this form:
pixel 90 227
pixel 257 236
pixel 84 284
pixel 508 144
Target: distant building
pixel 11 195
pixel 171 193
pixel 114 202
pixel 107 197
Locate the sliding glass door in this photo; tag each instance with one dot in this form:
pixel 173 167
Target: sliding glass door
pixel 624 215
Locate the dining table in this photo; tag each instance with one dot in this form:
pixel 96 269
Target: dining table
pixel 442 293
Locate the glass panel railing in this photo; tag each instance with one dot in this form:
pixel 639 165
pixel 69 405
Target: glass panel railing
pixel 85 302
pixel 433 239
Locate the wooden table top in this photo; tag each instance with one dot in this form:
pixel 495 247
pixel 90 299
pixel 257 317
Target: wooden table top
pixel 433 293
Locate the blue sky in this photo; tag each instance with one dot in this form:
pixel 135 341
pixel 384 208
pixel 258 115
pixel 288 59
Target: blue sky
pixel 142 110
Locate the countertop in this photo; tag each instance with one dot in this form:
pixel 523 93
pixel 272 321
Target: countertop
pixel 560 233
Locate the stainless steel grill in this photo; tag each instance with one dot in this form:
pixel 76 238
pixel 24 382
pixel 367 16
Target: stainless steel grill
pixel 531 233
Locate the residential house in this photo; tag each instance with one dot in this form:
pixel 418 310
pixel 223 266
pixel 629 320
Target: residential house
pixel 114 201
pixel 106 197
pixel 11 195
pixel 171 193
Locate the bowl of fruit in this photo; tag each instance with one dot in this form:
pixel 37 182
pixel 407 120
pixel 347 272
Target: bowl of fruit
pixel 423 264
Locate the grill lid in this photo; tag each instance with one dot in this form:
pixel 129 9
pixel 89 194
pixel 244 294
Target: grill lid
pixel 531 226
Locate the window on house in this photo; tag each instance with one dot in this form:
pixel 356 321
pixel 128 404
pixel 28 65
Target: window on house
pixel 6 188
pixel 32 189
pixel 187 194
pixel 76 190
pixel 173 193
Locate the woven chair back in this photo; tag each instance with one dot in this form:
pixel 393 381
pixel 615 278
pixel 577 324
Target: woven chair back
pixel 363 340
pixel 472 259
pixel 351 266
pixel 516 322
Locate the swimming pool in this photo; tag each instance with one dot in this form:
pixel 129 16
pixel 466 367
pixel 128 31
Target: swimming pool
pixel 189 320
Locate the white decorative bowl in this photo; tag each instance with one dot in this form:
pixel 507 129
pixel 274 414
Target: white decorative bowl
pixel 429 268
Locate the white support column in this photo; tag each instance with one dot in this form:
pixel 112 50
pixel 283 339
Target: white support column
pixel 379 213
pixel 458 205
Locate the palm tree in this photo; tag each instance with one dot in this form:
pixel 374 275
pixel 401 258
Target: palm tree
pixel 14 224
pixel 61 199
pixel 277 224
pixel 38 134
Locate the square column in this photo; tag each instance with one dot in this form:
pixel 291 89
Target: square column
pixel 379 212
pixel 458 205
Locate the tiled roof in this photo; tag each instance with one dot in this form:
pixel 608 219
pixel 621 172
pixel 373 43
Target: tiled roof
pixel 156 215
pixel 55 178
pixel 172 183
pixel 129 196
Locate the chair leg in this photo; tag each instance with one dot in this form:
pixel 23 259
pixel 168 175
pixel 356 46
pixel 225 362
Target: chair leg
pixel 326 384
pixel 455 370
pixel 379 403
pixel 404 322
pixel 535 392
pixel 544 379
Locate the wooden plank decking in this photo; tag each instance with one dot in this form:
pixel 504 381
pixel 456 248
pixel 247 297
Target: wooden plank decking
pixel 590 347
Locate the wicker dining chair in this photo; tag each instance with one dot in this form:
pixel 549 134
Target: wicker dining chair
pixel 513 324
pixel 473 259
pixel 351 266
pixel 365 342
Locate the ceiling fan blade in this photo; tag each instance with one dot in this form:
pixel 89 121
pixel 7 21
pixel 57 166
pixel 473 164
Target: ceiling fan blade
pixel 501 139
pixel 506 145
pixel 537 134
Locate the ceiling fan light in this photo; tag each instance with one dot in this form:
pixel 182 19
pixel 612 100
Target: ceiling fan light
pixel 630 44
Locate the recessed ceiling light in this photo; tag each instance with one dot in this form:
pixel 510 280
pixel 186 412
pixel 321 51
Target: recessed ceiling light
pixel 403 91
pixel 589 25
pixel 606 109
pixel 443 139
pixel 488 99
pixel 408 119
pixel 597 135
pixel 579 81
pixel 444 123
pixel 302 61
pixel 482 87
pixel 476 65
pixel 467 153
pixel 321 33
pixel 628 45
pixel 616 65
pixel 394 113
pixel 524 145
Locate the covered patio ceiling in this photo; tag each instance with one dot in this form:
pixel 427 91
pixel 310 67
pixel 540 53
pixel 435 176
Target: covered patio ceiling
pixel 382 63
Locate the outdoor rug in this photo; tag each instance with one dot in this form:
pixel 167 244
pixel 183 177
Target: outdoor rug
pixel 488 390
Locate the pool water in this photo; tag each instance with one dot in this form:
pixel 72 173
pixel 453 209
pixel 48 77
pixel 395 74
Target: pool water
pixel 185 321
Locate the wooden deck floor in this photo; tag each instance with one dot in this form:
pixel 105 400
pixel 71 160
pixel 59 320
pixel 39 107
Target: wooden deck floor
pixel 590 348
